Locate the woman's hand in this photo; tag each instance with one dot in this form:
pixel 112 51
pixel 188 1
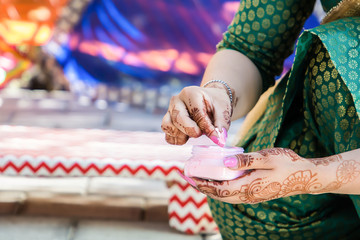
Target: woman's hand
pixel 196 111
pixel 279 172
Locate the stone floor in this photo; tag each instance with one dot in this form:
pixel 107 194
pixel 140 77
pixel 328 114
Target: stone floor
pixel 41 228
pixel 61 110
pixel 86 208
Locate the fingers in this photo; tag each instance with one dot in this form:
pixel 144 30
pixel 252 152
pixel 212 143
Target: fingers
pixel 222 121
pixel 253 188
pixel 234 191
pixel 212 112
pixel 247 161
pixel 194 112
pixel 200 111
pixel 180 119
pixel 172 134
pixel 263 159
pixel 177 124
pixel 222 117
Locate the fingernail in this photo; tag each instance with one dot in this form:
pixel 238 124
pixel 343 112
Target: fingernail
pixel 186 178
pixel 219 139
pixel 215 139
pixel 221 142
pixel 225 133
pixel 230 162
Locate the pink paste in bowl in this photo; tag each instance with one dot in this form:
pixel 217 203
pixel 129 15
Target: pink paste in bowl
pixel 207 163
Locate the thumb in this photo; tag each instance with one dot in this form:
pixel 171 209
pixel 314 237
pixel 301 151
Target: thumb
pixel 246 161
pixel 222 121
pixel 222 124
pixel 219 136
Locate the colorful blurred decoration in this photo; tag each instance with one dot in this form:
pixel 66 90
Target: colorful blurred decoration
pixel 152 42
pixel 28 21
pixel 2 75
pixel 24 24
pixel 117 43
pixel 12 62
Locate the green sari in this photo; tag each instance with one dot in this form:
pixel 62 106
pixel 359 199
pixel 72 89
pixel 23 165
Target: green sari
pixel 314 110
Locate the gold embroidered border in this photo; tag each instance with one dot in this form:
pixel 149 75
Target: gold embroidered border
pixel 345 8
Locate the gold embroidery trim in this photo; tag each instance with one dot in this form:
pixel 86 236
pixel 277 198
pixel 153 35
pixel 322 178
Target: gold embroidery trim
pixel 344 9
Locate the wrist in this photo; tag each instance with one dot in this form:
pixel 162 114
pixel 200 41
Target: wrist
pixel 330 174
pixel 222 85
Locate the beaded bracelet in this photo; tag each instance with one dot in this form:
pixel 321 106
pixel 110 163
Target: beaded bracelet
pixel 225 84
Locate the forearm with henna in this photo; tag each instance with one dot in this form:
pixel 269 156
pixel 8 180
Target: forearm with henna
pixel 264 188
pixel 334 174
pixel 344 170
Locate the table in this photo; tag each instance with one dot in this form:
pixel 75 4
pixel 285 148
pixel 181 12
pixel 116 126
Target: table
pixel 35 152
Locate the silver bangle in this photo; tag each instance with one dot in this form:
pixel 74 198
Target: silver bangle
pixel 225 84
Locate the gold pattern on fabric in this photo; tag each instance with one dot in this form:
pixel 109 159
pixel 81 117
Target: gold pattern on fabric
pixel 265 31
pixel 313 111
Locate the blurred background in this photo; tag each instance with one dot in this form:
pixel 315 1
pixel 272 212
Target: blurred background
pixel 104 64
pixel 108 55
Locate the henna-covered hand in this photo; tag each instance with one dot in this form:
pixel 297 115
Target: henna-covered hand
pixel 279 172
pixel 196 111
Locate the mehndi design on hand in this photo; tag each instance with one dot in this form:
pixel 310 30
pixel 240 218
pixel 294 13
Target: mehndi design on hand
pixel 279 172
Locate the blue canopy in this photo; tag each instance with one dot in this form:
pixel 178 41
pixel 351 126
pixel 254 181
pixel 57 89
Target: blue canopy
pixel 152 42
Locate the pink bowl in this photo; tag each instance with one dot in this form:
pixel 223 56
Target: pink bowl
pixel 207 163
